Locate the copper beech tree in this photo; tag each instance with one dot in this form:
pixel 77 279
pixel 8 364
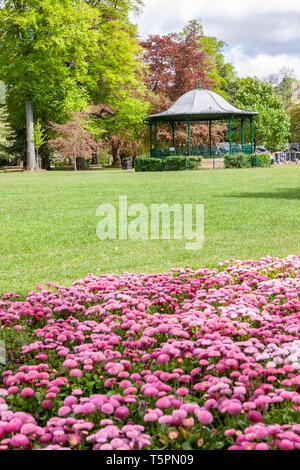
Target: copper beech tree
pixel 175 64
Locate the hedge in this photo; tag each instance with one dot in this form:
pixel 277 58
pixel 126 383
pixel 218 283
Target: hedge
pixel 148 164
pixel 239 160
pixel 174 163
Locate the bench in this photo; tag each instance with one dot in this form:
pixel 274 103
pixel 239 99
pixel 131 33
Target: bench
pixel 9 169
pixel 96 166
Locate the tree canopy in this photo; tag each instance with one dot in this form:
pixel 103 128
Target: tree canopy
pixel 272 125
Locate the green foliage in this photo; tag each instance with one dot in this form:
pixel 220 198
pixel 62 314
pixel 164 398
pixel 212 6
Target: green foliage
pixel 67 54
pixel 261 159
pixel 181 163
pixel 294 113
pixel 285 90
pixel 7 135
pixel 220 72
pixel 39 135
pixel 148 164
pixel 173 163
pixel 103 159
pixel 239 160
pixel 51 56
pixel 13 341
pixel 272 125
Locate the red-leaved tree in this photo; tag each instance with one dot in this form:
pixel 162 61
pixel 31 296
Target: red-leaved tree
pixel 175 64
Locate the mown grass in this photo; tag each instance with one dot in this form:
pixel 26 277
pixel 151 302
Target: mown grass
pixel 48 221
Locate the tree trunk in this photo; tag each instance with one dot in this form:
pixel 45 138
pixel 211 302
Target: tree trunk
pixel 31 162
pixel 38 160
pixel 75 164
pixel 80 163
pixel 116 149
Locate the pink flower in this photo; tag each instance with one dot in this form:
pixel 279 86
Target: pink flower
pixel 163 358
pixel 28 428
pixel 69 364
pixel 254 416
pixel 204 417
pixel 150 392
pixel 47 404
pixel 13 426
pixel 75 373
pixel 181 392
pixel 262 446
pixel 188 422
pixel 64 410
pixel 286 444
pixel 19 440
pixel 70 400
pixel 74 439
pixel 121 412
pixel 234 408
pixel 163 403
pixel 27 392
pixel 107 408
pixel 150 417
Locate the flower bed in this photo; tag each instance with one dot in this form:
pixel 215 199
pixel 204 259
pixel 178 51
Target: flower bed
pixel 205 359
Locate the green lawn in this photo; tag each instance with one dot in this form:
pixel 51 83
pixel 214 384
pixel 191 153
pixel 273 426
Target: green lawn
pixel 48 221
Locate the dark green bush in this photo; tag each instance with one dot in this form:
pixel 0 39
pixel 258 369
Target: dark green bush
pixel 237 160
pixel 194 162
pixel 175 163
pixel 169 163
pixel 247 161
pixel 148 164
pixel 261 159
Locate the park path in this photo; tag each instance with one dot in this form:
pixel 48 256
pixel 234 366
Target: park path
pixel 208 163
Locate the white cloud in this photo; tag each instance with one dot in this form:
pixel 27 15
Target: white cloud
pixel 262 34
pixel 261 65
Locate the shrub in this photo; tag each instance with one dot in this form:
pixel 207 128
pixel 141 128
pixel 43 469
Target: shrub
pixel 262 159
pixel 239 160
pixel 194 162
pixel 148 164
pixel 174 163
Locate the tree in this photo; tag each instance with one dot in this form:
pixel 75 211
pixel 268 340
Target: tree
pixel 272 125
pixel 44 59
pixel 7 135
pixel 121 70
pixel 125 127
pixel 294 113
pixel 221 73
pixel 39 140
pixel 76 139
pixel 175 64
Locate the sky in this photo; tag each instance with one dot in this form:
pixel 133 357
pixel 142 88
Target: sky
pixel 262 36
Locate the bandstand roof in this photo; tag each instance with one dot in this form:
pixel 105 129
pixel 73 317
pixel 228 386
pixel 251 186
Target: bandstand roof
pixel 200 105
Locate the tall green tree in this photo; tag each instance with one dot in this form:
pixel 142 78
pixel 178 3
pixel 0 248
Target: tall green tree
pixel 272 125
pixel 46 47
pixel 7 134
pixel 220 72
pixel 121 69
pixel 294 113
pixel 56 56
